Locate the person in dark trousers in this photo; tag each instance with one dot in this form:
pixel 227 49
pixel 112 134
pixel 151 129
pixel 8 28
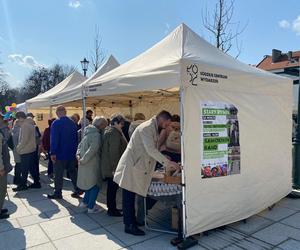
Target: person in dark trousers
pixel 63 146
pixel 35 169
pixel 135 168
pixel 15 136
pixel 114 144
pixel 46 147
pixel 5 166
pixel 26 148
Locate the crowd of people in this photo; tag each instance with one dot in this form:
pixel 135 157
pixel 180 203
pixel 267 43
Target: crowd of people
pixel 122 151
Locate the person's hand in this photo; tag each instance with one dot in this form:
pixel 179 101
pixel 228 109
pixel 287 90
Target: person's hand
pixel 173 166
pixel 2 172
pixel 78 159
pixel 53 158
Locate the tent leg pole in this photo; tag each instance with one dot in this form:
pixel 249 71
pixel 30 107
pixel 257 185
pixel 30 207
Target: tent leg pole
pixel 51 112
pixel 83 113
pixel 183 241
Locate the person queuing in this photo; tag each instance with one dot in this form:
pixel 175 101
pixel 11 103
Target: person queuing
pixel 35 169
pixel 5 166
pixel 139 118
pixel 114 144
pixel 76 118
pixel 26 148
pixel 63 147
pixel 137 164
pixel 88 118
pixel 89 169
pixel 15 136
pixel 46 147
pixel 125 129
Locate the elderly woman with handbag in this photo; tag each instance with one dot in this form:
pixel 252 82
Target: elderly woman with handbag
pixel 89 169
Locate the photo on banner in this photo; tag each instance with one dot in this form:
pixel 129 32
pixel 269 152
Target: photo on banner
pixel 220 140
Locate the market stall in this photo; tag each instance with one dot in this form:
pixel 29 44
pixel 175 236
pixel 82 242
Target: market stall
pixel 236 124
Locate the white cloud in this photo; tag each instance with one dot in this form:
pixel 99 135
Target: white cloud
pixel 26 61
pixel 74 4
pixel 284 24
pixel 296 26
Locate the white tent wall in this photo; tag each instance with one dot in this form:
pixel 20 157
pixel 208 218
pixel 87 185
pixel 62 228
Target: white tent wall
pixel 264 113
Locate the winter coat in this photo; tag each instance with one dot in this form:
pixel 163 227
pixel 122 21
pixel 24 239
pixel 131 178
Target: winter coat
pixel 63 139
pixel 89 170
pixel 27 139
pixel 1 160
pixel 137 164
pixel 15 136
pixel 114 145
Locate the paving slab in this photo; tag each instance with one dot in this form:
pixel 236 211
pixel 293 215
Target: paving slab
pixel 95 239
pixel 252 224
pixel 9 224
pixel 277 233
pixel 277 213
pixel 32 219
pixel 104 220
pixel 117 230
pixel 293 220
pixel 293 204
pixel 59 213
pixel 46 246
pixel 67 226
pixel 19 211
pixel 290 244
pixel 160 242
pixel 22 238
pixel 37 207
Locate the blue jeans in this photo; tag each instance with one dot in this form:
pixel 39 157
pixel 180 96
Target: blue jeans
pixel 90 196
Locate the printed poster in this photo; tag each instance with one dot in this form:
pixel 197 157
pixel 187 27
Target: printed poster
pixel 220 137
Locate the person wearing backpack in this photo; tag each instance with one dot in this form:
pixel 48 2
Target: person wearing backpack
pixel 5 166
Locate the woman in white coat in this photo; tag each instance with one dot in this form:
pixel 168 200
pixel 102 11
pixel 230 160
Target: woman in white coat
pixel 89 169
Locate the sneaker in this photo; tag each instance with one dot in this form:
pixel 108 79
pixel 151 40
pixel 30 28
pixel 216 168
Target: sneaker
pixel 4 216
pixel 54 196
pixel 94 210
pixel 82 205
pixel 114 213
pixel 4 211
pixel 20 188
pixel 35 185
pixel 75 195
pixel 134 230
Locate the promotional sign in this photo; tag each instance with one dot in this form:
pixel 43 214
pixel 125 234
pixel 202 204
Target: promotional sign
pixel 220 137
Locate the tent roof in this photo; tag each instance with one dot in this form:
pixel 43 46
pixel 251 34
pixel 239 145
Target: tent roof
pixel 160 66
pixel 44 99
pixel 72 93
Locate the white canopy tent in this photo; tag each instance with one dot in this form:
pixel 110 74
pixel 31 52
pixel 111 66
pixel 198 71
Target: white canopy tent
pixel 253 106
pixel 22 107
pixel 44 100
pixel 71 94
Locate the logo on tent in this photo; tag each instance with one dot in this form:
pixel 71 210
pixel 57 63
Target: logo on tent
pixel 192 72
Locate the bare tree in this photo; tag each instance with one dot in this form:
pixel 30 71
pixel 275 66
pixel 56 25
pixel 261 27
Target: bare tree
pixel 97 54
pixel 225 32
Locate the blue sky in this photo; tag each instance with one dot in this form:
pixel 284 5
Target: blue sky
pixel 44 32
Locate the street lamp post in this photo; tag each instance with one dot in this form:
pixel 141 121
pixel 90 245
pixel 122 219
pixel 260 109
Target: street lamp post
pixel 84 65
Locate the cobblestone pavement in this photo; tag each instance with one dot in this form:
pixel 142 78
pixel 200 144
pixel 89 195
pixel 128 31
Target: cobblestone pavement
pixel 39 223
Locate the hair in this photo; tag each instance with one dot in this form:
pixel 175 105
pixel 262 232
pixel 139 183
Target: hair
pixel 99 120
pixel 89 111
pixel 175 118
pixel 117 118
pixel 139 117
pixel 20 114
pixel 77 115
pixel 164 115
pixel 61 109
